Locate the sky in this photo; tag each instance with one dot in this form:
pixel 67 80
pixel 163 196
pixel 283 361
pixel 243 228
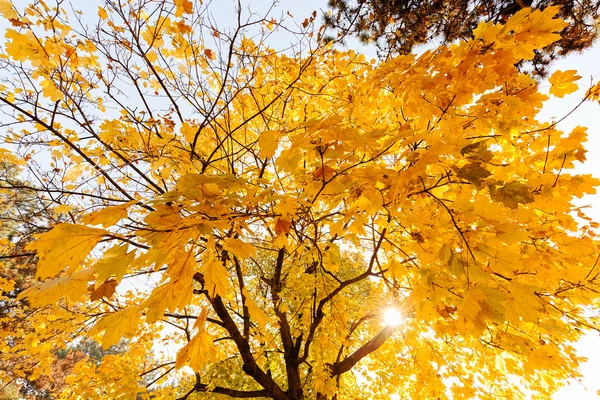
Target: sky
pixel 588 66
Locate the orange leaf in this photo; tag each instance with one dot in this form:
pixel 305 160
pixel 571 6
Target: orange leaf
pixel 183 7
pixel 282 226
pixel 209 54
pixel 107 289
pixel 183 27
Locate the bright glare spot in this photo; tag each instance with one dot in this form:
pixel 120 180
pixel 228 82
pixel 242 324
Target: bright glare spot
pixel 391 316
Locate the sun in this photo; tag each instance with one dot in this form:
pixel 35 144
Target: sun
pixel 392 316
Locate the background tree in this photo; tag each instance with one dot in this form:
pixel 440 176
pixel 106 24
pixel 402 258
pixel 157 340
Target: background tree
pixel 35 359
pixel 397 26
pixel 42 355
pixel 245 216
pixel 23 212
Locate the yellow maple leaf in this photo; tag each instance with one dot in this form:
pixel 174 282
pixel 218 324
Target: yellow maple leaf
pixel 189 131
pixel 102 13
pixel 526 31
pixel 255 311
pixel 6 285
pixel 123 323
pixel 471 307
pixel 215 276
pixel 238 248
pixel 268 144
pixel 74 286
pixel 167 297
pixel 183 7
pixel 563 82
pixel 74 172
pixel 594 93
pixel 522 304
pixel 66 245
pixel 9 157
pixel 107 216
pixel 152 56
pixel 114 262
pixel 63 209
pixel 7 10
pixel 200 349
pixel 175 293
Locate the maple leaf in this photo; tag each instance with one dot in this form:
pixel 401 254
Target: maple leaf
pixel 7 10
pixel 116 325
pixel 323 173
pixel 512 194
pixel 73 286
pixel 282 226
pixel 114 262
pixel 102 13
pixel 9 157
pixel 268 144
pixel 446 311
pixel 183 7
pixel 216 277
pixel 63 209
pixel 209 54
pixel 473 308
pixel 474 173
pixel 526 31
pixel 168 296
pixel 563 82
pixel 107 216
pixel 74 172
pixel 255 311
pixel 477 151
pixel 594 92
pixel 105 290
pixel 66 245
pixel 177 291
pixel 238 248
pixel 183 27
pixel 200 349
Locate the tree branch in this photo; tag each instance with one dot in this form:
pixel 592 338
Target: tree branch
pixel 372 345
pixel 250 366
pixel 240 394
pixel 290 348
pixel 245 311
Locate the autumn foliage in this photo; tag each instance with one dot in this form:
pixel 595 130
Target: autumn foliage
pixel 243 217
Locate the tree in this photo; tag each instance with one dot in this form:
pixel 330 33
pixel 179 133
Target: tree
pixel 245 216
pixel 29 364
pixel 397 26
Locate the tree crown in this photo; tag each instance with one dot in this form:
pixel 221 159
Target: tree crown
pixel 257 212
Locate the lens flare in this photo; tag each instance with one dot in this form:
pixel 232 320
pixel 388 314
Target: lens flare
pixel 391 316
